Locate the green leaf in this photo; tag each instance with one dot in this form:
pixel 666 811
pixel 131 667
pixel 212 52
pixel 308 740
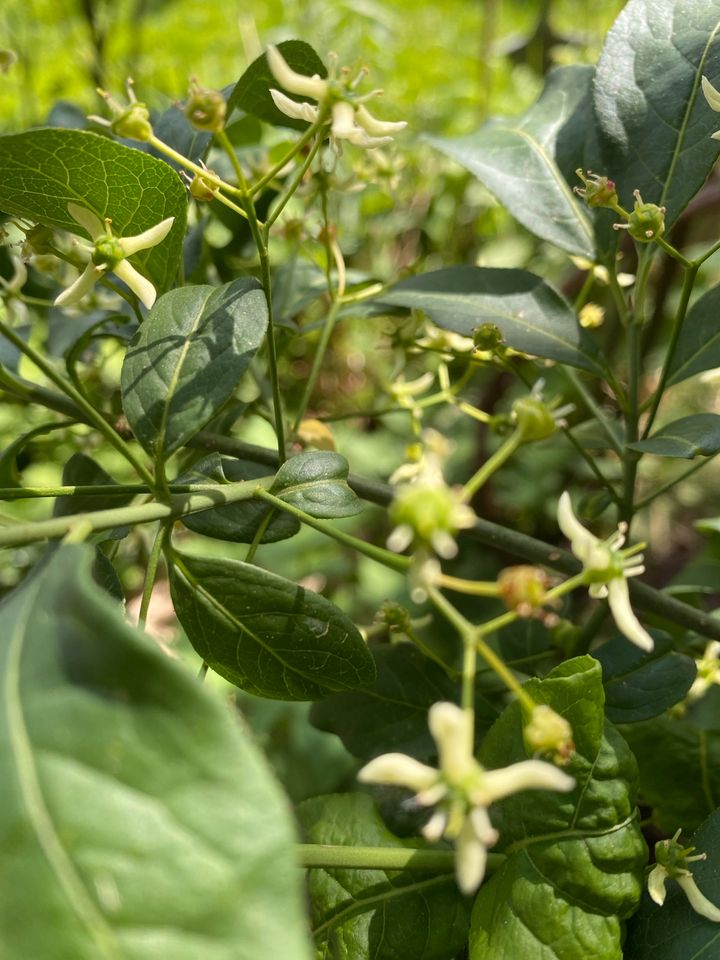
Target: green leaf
pixel 316 482
pixel 574 861
pixel 358 914
pixel 236 522
pixel 676 931
pixel 515 159
pixel 81 470
pixel 531 316
pixel 187 358
pixel 679 761
pixel 391 714
pixel 265 634
pixel 44 170
pixel 9 476
pixel 252 91
pixel 654 123
pixel 698 346
pixel 686 438
pixel 135 809
pixel 640 685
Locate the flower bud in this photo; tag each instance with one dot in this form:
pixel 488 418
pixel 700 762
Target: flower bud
pixel 202 189
pixel 206 109
pixel 523 587
pixel 487 336
pixel 534 418
pixel 646 222
pixel 596 191
pixel 133 123
pixel 549 734
pixel 38 241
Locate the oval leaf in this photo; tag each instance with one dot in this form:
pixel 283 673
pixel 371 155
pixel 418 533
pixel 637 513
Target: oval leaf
pixel 574 861
pixel 654 125
pixel 187 358
pixel 515 159
pixel 44 170
pixel 316 482
pixel 531 316
pixel 641 685
pixel 265 634
pixel 135 809
pixel 688 437
pixel 375 913
pixel 252 91
pixel 236 522
pixel 698 346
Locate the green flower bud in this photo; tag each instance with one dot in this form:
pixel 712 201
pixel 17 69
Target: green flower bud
pixel 597 191
pixel 206 109
pixel 549 734
pixel 202 189
pixel 646 222
pixel 523 587
pixel 133 123
pixel 534 418
pixel 487 336
pixel 38 240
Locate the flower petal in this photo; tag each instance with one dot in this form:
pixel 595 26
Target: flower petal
pixel 139 284
pixel 698 901
pixel 375 127
pixel 92 224
pixel 146 239
pixel 711 94
pixel 656 884
pixel 627 622
pixel 470 859
pixel 400 770
pixel 77 290
pixel 292 81
pixel 452 731
pixel 293 109
pixel 581 540
pixel 526 775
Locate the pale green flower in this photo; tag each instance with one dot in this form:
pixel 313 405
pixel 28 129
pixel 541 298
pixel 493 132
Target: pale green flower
pixel 110 253
pixel 350 118
pixel 461 789
pixel 607 568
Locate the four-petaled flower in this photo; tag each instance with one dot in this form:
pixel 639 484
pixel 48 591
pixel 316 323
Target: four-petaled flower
pixel 606 569
pixel 672 863
pixel 350 118
pixel 461 789
pixel 110 253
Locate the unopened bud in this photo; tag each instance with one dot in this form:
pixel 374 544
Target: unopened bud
pixel 523 587
pixel 534 418
pixel 202 188
pixel 646 222
pixel 206 109
pixel 549 734
pixel 38 240
pixel 487 336
pixel 133 123
pixel 596 191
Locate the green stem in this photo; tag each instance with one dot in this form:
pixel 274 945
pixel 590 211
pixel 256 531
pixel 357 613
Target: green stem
pixel 688 284
pixel 493 463
pixel 349 857
pixel 630 459
pixel 212 178
pixel 151 571
pixel 307 136
pixel 90 413
pixel 594 408
pixel 282 201
pixel 392 560
pixel 178 505
pixel 325 336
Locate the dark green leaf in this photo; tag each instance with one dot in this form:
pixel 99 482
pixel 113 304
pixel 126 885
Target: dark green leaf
pixel 698 347
pixel 174 129
pixel 675 931
pixel 316 482
pixel 252 91
pixel 574 861
pixel 136 811
pixel 187 358
pixel 654 123
pixel 44 170
pixel 361 914
pixel 679 760
pixel 9 476
pixel 531 316
pixel 237 522
pixel 641 685
pixel 81 470
pixel 515 159
pixel 265 634
pixel 688 437
pixel 391 714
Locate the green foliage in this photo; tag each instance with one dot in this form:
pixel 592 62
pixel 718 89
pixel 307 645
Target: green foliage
pixel 44 170
pixel 111 758
pixel 186 360
pixel 377 913
pixel 265 634
pixel 688 437
pixel 316 482
pixel 580 855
